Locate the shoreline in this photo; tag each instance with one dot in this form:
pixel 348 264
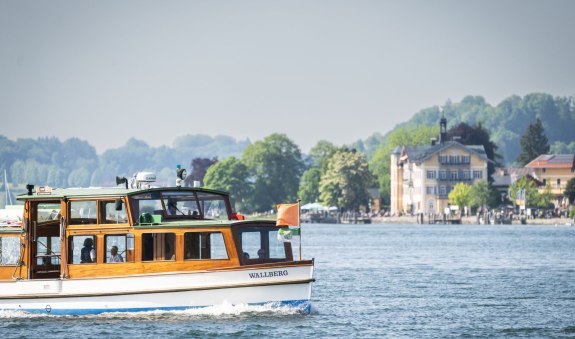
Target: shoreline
pixel 472 220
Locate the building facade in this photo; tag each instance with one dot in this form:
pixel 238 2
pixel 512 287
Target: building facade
pixel 423 176
pixel 553 171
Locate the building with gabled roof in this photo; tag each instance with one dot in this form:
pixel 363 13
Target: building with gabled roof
pixel 553 171
pixel 423 176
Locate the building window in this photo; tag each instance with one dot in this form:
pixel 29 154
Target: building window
pixel 442 190
pixel 431 190
pixel 466 175
pixel 431 174
pixel 558 182
pixel 453 175
pixel 465 159
pixel 443 175
pixel 443 159
pixel 477 174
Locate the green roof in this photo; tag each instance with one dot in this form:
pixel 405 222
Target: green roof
pixel 112 192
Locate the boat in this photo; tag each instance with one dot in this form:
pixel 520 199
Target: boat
pixel 137 247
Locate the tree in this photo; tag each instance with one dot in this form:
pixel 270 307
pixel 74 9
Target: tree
pixel 309 185
pixel 570 190
pixel 346 180
pixel 527 184
pixel 460 195
pixel 275 166
pixel 231 175
pixel 199 167
pixel 533 143
pixel 480 193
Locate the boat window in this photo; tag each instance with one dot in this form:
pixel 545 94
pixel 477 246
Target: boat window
pixel 115 212
pixel 213 206
pixel 204 245
pixel 48 251
pixel 147 204
pixel 119 248
pixel 82 249
pixel 158 246
pixel 48 211
pixel 9 250
pixel 83 212
pixel 262 244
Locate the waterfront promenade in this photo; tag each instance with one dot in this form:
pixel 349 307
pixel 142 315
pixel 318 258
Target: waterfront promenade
pixel 472 220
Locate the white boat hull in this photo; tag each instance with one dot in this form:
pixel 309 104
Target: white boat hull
pixel 287 285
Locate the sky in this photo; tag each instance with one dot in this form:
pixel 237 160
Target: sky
pixel 108 71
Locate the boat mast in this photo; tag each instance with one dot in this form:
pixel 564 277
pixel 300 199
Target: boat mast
pixel 8 199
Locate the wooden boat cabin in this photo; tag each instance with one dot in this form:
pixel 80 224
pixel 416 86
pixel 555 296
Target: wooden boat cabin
pixel 103 232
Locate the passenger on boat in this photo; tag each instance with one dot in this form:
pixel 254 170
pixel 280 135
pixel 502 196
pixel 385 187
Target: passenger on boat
pixel 114 256
pixel 88 254
pixel 261 253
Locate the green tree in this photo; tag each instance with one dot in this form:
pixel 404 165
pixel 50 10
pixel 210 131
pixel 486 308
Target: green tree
pixel 544 198
pixel 346 180
pixel 460 195
pixel 527 184
pixel 231 175
pixel 275 166
pixel 309 185
pixel 570 190
pixel 480 193
pixel 533 143
pixel 321 152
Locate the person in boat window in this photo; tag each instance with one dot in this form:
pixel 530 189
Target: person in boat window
pixel 261 253
pixel 114 256
pixel 88 254
pixel 172 207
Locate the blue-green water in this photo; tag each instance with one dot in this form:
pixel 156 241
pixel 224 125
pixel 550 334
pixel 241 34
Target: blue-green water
pixel 382 281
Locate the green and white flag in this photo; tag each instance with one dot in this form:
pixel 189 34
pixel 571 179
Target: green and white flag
pixel 286 234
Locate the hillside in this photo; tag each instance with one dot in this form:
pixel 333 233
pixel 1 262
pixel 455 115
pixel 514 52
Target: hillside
pixel 506 122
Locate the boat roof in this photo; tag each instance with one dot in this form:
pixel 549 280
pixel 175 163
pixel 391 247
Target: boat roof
pixel 46 193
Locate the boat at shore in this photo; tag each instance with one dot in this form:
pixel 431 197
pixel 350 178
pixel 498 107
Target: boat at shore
pixel 143 248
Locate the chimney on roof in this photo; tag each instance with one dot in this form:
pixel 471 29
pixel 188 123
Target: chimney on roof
pixel 433 141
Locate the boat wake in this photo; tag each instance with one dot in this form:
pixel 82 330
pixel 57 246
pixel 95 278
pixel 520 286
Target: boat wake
pixel 220 311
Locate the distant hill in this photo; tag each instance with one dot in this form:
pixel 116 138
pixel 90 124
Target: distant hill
pixel 506 122
pixel 74 162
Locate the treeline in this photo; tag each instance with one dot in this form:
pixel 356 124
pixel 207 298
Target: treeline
pixel 75 163
pixel 274 170
pixel 505 122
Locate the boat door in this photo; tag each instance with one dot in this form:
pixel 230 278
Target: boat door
pixel 44 239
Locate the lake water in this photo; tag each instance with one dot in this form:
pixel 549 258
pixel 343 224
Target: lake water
pixel 382 281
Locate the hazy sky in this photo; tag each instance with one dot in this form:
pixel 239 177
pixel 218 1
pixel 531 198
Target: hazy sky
pixel 106 71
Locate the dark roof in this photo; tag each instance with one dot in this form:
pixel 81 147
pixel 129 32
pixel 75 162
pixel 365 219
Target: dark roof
pixel 423 152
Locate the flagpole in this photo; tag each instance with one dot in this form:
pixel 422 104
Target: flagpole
pixel 299 225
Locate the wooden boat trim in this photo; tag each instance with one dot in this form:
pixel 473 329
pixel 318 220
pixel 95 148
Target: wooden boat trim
pixel 172 290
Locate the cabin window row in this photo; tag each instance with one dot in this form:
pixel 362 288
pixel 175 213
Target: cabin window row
pixel 155 247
